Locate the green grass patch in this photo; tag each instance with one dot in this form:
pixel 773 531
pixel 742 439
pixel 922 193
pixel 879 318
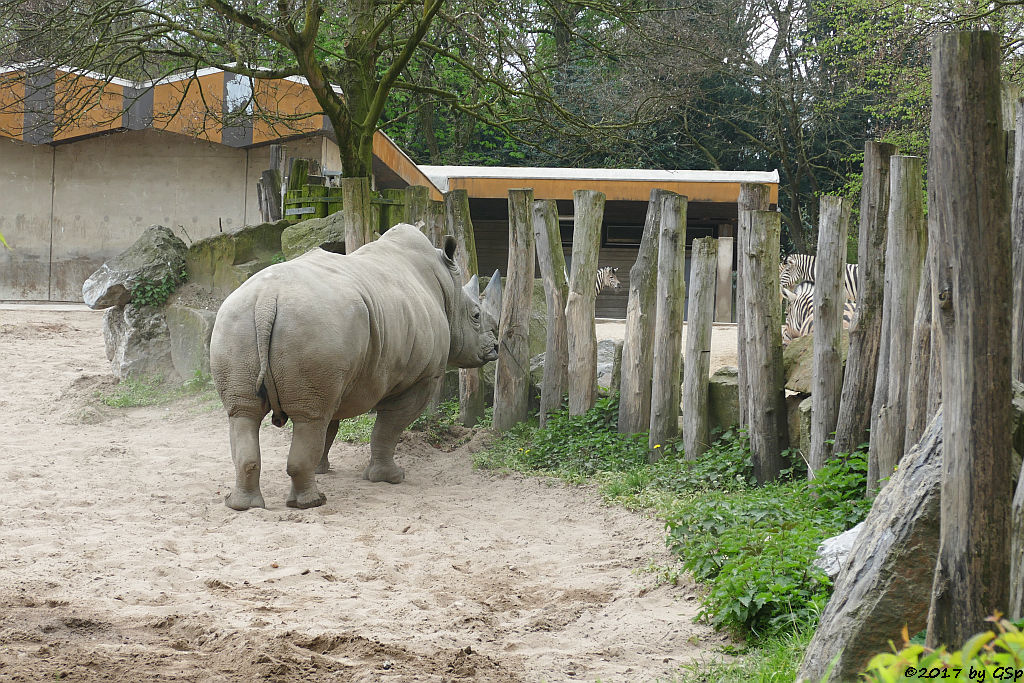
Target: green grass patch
pixel 776 659
pixel 356 429
pixel 151 390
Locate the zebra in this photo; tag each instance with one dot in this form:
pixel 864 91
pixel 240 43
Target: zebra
pixel 797 268
pixel 800 314
pixel 606 279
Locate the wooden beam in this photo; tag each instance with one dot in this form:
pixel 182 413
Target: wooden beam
pixel 579 308
pixel 700 312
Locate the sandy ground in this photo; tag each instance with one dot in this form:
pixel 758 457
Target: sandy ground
pixel 119 560
pixel 723 341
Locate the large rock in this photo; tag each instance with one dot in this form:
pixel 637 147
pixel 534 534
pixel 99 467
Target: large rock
pixel 833 552
pixel 157 254
pixel 724 398
pixel 137 341
pixel 798 361
pixel 221 263
pixel 886 582
pixel 606 350
pixel 189 330
pixel 298 238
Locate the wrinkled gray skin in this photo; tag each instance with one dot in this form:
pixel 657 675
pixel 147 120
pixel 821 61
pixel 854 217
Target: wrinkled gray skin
pixel 328 336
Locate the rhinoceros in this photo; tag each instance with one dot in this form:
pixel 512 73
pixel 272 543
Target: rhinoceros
pixel 329 336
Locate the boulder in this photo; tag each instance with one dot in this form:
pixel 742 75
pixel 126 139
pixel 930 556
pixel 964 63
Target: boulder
pixel 189 330
pixel 832 552
pixel 803 440
pixel 221 263
pixel 886 582
pixel 798 361
pixel 797 433
pixel 137 341
pixel 724 398
pixel 606 351
pixel 157 254
pixel 298 238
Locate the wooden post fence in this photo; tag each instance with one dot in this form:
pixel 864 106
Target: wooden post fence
pixel 668 324
pixel 551 259
pixel 638 339
pixel 579 309
pixel 697 360
pixel 753 197
pixel 829 300
pixel 460 225
pixel 512 375
pixel 1017 222
pixel 905 252
pixel 765 392
pixel 967 195
pixel 866 332
pixel 723 288
pixel 417 207
pixel 358 217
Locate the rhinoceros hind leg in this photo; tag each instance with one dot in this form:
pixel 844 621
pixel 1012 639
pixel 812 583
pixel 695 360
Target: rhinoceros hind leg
pixel 332 432
pixel 393 417
pixel 306 451
pixel 245 452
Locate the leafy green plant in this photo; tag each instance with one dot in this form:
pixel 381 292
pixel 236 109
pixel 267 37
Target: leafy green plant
pixel 441 426
pixel 356 429
pixel 147 292
pixel 149 390
pixel 279 257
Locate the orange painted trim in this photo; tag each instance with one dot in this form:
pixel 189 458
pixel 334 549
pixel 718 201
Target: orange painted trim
pixel 389 153
pixel 12 107
pixel 191 106
pixel 614 190
pixel 85 106
pixel 278 96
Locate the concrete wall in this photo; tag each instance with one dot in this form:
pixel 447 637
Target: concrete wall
pixel 25 202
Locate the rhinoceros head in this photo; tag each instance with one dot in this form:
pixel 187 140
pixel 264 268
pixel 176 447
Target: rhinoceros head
pixel 474 322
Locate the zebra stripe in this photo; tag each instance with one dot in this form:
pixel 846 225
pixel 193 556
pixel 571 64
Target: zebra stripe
pixel 797 268
pixel 607 279
pixel 800 314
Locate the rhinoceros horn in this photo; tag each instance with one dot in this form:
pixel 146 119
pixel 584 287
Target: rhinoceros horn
pixel 492 296
pixel 472 288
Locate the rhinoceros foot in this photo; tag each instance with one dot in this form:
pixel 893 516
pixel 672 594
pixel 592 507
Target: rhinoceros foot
pixel 323 466
pixel 393 474
pixel 304 501
pixel 243 500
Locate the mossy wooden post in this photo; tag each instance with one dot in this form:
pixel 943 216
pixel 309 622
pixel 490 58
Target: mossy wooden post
pixel 905 252
pixel 638 340
pixel 1017 221
pixel 512 375
pixel 697 360
pixel 435 222
pixel 829 300
pixel 866 331
pixel 668 324
pixel 355 200
pixel 968 196
pixel 551 259
pixel 460 225
pixel 1017 550
pixel 918 414
pixel 318 193
pixel 393 211
pixel 765 393
pixel 579 308
pixel 753 197
pixel 417 208
pixel 723 286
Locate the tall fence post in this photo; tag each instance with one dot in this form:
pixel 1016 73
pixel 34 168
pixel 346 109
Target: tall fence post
pixel 638 339
pixel 1017 221
pixel 753 197
pixel 668 324
pixel 417 207
pixel 579 309
pixel 968 197
pixel 866 332
pixel 355 207
pixel 697 360
pixel 723 287
pixel 765 391
pixel 829 301
pixel 918 414
pixel 460 225
pixel 512 375
pixel 551 259
pixel 905 252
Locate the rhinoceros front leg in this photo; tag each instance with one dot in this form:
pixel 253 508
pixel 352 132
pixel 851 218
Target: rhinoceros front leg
pixel 393 416
pixel 245 453
pixel 332 432
pixel 306 451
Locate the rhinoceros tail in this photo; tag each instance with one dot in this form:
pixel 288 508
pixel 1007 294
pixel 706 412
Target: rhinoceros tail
pixel 265 315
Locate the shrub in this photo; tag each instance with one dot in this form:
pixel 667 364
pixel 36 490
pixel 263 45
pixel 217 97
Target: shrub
pixel 147 292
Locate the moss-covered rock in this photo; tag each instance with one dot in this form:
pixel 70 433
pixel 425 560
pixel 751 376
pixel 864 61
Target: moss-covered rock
pixel 798 361
pixel 298 238
pixel 221 263
pixel 190 330
pixel 724 398
pixel 156 256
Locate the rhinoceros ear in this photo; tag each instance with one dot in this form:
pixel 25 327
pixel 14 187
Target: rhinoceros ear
pixel 472 288
pixel 447 250
pixel 492 295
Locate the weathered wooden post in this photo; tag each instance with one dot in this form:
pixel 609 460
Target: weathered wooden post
pixel 668 324
pixel 723 288
pixel 905 252
pixel 700 310
pixel 512 375
pixel 355 207
pixel 1017 220
pixel 753 197
pixel 918 412
pixel 1017 550
pixel 968 196
pixel 417 207
pixel 638 340
pixel 435 223
pixel 556 290
pixel 765 392
pixel 579 309
pixel 829 300
pixel 460 225
pixel 866 332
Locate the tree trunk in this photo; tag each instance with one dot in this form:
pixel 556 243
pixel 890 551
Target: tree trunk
pixel 968 196
pixel 579 308
pixel 905 254
pixel 866 331
pixel 552 268
pixel 512 376
pixel 829 300
pixel 355 205
pixel 753 197
pixel 460 225
pixel 701 308
pixel 765 392
pixel 1017 550
pixel 723 286
pixel 638 341
pixel 1017 219
pixel 668 324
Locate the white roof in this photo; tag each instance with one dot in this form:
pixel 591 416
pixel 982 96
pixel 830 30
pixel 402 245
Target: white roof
pixel 440 175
